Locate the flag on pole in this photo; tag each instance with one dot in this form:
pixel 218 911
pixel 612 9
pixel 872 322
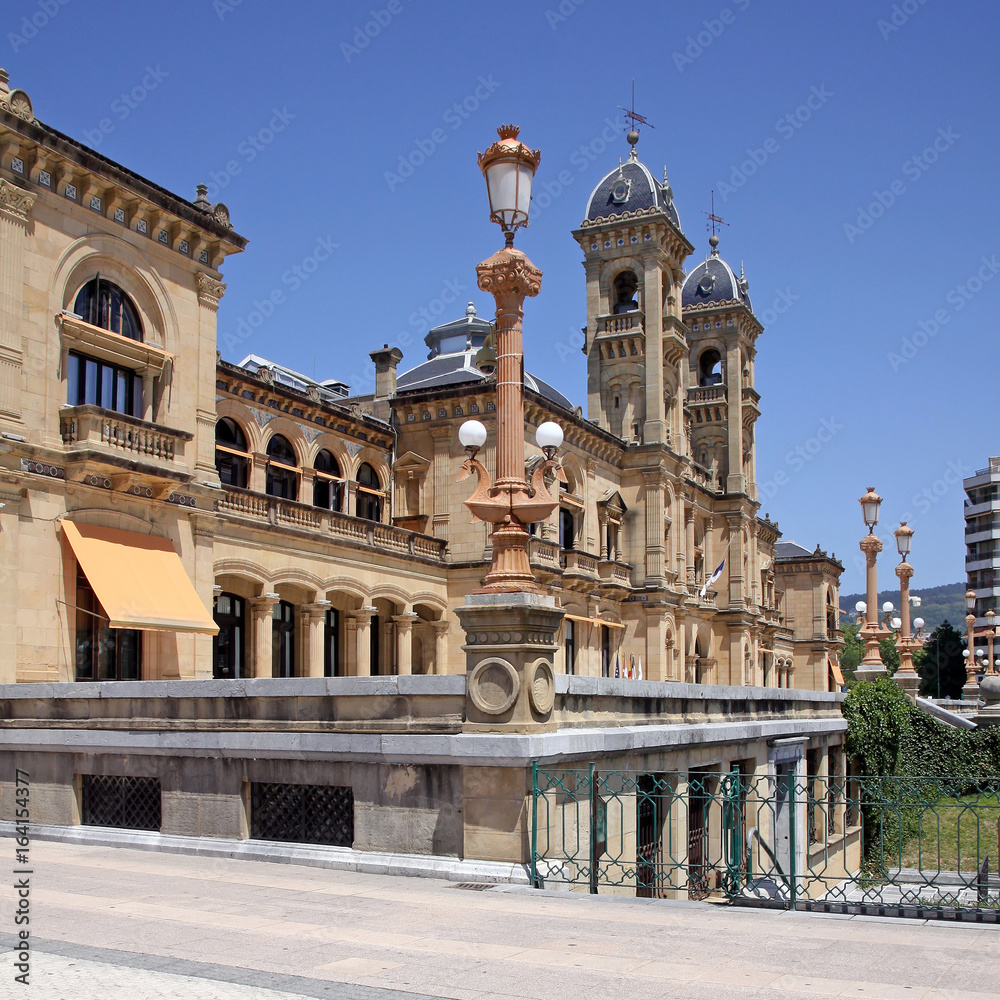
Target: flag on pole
pixel 631 665
pixel 715 576
pixel 618 672
pixel 638 667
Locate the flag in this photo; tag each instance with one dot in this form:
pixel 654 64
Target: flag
pixel 715 576
pixel 631 665
pixel 638 667
pixel 618 672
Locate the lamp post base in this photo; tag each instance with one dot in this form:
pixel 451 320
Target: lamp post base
pixel 511 571
pixel 989 690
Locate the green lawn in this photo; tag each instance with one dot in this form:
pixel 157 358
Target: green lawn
pixel 954 834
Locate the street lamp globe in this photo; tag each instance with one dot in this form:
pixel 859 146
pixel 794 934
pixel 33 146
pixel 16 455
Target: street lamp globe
pixel 918 623
pixel 970 600
pixel 897 623
pixel 887 607
pixel 549 437
pixel 861 607
pixel 509 168
pixel 472 435
pixel 870 504
pixel 904 538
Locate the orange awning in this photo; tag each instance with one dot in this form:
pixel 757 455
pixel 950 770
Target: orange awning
pixel 139 579
pixel 837 674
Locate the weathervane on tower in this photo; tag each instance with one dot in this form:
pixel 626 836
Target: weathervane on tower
pixel 631 115
pixel 713 220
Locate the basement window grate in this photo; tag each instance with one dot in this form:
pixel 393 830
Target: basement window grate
pixel 120 801
pixel 302 814
pixel 476 886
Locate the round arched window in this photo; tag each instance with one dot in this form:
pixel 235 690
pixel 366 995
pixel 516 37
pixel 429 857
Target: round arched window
pixel 370 495
pixel 232 456
pixel 102 303
pixel 282 469
pixel 327 483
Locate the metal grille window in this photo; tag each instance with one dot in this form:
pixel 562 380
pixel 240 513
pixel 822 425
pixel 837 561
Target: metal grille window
pixel 304 814
pixel 120 801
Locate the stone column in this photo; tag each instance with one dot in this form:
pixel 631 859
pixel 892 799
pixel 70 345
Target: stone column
pixel 314 634
pixel 258 472
pixel 689 542
pixel 404 642
pixel 15 208
pixel 654 667
pixel 209 290
pixel 871 666
pixel 735 481
pixel 605 538
pixel 261 664
pixel 362 619
pixel 655 548
pixel 734 561
pixel 440 629
pixel 655 429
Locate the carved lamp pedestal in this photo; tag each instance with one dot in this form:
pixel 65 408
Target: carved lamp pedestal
pixel 871 666
pixel 510 646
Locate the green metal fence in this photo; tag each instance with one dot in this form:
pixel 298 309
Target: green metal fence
pixel 924 847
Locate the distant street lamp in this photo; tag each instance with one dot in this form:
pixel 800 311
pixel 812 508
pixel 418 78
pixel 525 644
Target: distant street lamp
pixel 509 503
pixel 970 689
pixel 871 665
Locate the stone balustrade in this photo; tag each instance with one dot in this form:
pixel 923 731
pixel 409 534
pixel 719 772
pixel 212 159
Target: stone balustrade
pixel 93 427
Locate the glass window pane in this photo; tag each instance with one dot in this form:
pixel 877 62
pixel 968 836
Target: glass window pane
pixel 107 387
pixel 136 390
pixel 90 383
pixel 72 380
pixel 122 400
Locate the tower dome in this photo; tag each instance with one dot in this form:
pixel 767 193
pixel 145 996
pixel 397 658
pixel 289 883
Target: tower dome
pixel 713 281
pixel 628 189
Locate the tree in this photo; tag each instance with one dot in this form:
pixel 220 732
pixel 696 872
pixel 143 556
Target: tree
pixel 889 654
pixel 850 655
pixel 941 658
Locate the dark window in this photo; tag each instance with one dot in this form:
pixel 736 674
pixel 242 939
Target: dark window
pixel 283 640
pixel 304 814
pixel 626 285
pixel 282 469
pixel 370 496
pixel 104 304
pixel 605 651
pixel 120 801
pixel 570 646
pixel 374 645
pixel 103 653
pixel 331 644
pixel 228 645
pixel 710 368
pixel 101 384
pixel 327 486
pixel 566 531
pixel 232 456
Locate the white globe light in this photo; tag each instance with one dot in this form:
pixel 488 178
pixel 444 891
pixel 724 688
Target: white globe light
pixel 918 623
pixel 915 601
pixel 861 607
pixel 549 435
pixel 472 434
pixel 965 654
pixel 897 623
pixel 887 607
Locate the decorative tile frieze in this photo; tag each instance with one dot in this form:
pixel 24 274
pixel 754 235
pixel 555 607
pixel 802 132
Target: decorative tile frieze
pixel 43 469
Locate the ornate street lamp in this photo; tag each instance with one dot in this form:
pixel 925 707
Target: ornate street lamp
pixel 906 676
pixel 871 665
pixel 510 503
pixel 970 688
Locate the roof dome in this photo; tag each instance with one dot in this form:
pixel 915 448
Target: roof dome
pixel 714 281
pixel 452 360
pixel 630 188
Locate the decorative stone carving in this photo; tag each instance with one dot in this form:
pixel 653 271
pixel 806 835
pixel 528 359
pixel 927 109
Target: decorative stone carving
pixel 210 290
pixel 494 686
pixel 542 689
pixel 509 273
pixel 15 201
pixel 17 103
pixel 220 213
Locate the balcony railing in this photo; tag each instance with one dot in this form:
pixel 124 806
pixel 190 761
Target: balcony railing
pixel 356 530
pixel 92 426
pixel 708 394
pixel 615 573
pixel 630 322
pixel 581 563
pixel 543 554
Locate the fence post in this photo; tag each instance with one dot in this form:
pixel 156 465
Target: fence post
pixel 534 824
pixel 792 820
pixel 593 833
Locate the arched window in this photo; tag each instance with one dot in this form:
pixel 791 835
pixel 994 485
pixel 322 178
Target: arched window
pixel 626 285
pixel 831 616
pixel 370 494
pixel 570 646
pixel 566 530
pixel 104 304
pixel 327 486
pixel 232 456
pixel 228 646
pixel 282 469
pixel 605 651
pixel 331 643
pixel 710 368
pixel 283 640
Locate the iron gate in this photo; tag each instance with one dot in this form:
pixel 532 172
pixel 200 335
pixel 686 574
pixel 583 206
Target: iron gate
pixel 906 846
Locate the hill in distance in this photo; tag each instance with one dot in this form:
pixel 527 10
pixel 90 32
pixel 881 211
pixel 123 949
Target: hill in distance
pixel 936 604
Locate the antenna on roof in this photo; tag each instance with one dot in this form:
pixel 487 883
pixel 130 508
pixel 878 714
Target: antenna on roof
pixel 713 220
pixel 632 116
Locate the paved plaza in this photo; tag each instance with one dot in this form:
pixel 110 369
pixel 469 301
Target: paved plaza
pixel 114 923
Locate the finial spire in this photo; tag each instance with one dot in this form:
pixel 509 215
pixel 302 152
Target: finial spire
pixel 631 115
pixel 713 221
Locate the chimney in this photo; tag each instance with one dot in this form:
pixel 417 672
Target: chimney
pixel 386 361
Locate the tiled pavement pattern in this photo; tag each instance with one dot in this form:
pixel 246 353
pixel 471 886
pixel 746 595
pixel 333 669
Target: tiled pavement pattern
pixel 111 923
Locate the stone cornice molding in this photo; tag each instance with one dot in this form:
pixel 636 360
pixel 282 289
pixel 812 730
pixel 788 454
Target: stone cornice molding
pixel 15 201
pixel 210 290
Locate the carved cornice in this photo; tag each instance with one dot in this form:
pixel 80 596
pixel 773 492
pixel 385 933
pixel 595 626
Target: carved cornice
pixel 509 273
pixel 15 201
pixel 210 290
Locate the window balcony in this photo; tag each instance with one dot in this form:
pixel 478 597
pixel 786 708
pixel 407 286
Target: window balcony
pixel 264 509
pixel 95 434
pixel 579 564
pixel 615 574
pixel 707 394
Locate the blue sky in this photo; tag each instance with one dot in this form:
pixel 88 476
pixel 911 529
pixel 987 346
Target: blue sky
pixel 850 145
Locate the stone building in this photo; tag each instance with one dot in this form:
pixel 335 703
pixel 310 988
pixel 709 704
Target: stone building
pixel 219 576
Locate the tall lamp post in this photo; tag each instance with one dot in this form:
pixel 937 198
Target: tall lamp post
pixel 970 690
pixel 871 666
pixel 906 677
pixel 989 683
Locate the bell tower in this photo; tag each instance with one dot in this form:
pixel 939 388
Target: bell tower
pixel 721 398
pixel 634 252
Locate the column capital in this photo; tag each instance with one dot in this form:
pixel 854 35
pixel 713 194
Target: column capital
pixel 871 545
pixel 317 608
pixel 210 289
pixel 509 275
pixel 363 616
pixel 440 626
pixel 265 601
pixel 15 202
pixel 405 620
